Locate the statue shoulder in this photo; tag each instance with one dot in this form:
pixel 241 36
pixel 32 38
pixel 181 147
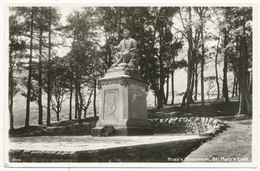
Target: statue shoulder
pixel 133 40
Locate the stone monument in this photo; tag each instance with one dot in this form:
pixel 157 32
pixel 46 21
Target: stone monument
pixel 123 94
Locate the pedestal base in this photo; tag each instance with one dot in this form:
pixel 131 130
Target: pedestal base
pixel 125 131
pixel 123 103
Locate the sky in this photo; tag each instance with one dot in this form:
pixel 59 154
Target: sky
pixel 67 10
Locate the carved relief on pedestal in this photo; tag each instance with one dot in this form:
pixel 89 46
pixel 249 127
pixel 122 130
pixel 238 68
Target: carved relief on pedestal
pixel 111 104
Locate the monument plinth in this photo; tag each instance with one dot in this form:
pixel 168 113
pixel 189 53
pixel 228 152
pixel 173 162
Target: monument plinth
pixel 123 102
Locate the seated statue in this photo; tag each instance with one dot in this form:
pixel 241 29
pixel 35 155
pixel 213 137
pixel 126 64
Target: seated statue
pixel 127 51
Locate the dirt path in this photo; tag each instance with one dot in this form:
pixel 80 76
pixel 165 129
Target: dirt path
pixel 81 143
pixel 232 145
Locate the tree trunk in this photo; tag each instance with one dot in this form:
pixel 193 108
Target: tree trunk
pixel 11 90
pixel 40 79
pixel 160 96
pixel 216 69
pixel 188 91
pixel 71 94
pixel 80 104
pixel 196 82
pixel 251 84
pixel 192 82
pixel 11 112
pixel 159 100
pixel 79 100
pixel 30 74
pixel 242 95
pixel 245 103
pixel 234 85
pixel 172 103
pixel 94 98
pixel 237 68
pixel 85 112
pixel 88 103
pixel 163 94
pixel 76 101
pixel 49 74
pixel 225 85
pixel 155 99
pixel 58 116
pixel 237 83
pixel 167 91
pixel 236 89
pixel 202 70
pixel 184 99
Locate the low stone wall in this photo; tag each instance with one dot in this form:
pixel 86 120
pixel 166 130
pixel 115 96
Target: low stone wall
pixel 174 151
pixel 189 125
pixel 74 129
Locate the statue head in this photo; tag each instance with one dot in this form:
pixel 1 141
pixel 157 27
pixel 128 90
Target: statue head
pixel 126 33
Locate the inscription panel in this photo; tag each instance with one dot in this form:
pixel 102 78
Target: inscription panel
pixel 138 103
pixel 111 104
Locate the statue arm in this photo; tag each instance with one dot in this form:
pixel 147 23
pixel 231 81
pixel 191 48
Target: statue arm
pixel 118 47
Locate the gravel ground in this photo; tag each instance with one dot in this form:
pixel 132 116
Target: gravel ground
pixel 79 143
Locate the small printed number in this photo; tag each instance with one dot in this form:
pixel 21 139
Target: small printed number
pixel 16 160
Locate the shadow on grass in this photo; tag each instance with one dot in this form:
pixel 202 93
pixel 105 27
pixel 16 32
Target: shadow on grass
pixel 212 109
pixel 58 128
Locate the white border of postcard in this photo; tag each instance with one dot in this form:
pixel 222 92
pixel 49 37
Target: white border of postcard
pixel 255 119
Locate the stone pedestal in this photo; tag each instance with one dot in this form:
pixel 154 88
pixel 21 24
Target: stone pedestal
pixel 123 103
